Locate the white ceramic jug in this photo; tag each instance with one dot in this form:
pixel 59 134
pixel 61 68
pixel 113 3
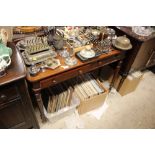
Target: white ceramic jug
pixel 5 61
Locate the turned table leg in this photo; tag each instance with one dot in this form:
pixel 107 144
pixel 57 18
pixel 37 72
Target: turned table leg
pixel 40 104
pixel 121 81
pixel 115 74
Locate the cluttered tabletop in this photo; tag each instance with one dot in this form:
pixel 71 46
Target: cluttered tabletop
pixel 53 50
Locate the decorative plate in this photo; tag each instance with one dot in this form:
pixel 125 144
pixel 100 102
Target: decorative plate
pixel 87 54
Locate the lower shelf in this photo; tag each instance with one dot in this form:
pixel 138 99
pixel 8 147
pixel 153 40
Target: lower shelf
pixel 84 93
pixel 53 117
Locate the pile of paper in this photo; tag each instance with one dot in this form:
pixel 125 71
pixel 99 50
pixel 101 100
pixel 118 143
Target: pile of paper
pixel 86 86
pixel 60 97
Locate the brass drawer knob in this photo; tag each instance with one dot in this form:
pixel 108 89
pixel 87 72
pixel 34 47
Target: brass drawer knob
pixel 3 97
pixel 54 81
pixel 80 72
pixel 100 62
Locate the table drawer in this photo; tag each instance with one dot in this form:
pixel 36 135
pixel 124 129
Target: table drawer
pixel 78 71
pixel 8 93
pixel 115 58
pixel 67 75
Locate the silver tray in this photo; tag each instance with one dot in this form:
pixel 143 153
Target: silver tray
pixel 33 42
pixel 37 51
pixel 31 62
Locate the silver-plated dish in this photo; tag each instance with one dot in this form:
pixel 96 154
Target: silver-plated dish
pixel 33 44
pixel 38 58
pixel 52 63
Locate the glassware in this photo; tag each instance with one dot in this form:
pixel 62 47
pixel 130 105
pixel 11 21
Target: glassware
pixel 71 51
pixel 34 69
pixel 42 67
pixel 70 60
pixel 142 30
pixel 64 53
pixel 111 34
pixel 106 45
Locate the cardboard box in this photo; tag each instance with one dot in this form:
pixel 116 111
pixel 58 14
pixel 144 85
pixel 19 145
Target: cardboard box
pixel 93 102
pixel 130 83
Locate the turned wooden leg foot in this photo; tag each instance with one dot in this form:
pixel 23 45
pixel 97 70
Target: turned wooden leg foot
pixel 115 74
pixel 121 81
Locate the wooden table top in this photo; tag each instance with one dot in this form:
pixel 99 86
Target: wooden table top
pixel 64 67
pixel 17 68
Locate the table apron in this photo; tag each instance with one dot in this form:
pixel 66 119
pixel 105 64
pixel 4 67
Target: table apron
pixel 53 80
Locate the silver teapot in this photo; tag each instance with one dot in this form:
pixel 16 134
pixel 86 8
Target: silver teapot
pixel 55 37
pixel 58 41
